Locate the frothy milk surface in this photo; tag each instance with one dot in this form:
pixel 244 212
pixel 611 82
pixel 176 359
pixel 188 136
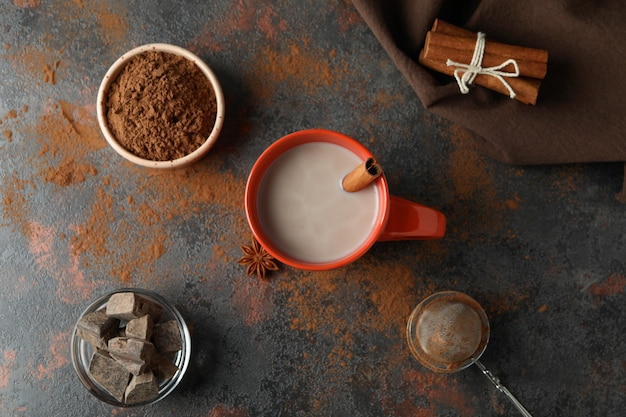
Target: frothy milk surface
pixel 304 210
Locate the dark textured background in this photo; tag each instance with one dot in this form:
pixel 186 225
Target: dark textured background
pixel 541 248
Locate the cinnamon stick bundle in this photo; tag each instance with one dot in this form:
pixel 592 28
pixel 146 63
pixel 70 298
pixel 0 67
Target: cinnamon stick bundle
pixel 449 42
pixel 531 62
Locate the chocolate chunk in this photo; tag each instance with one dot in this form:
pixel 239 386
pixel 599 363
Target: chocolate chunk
pixel 135 367
pixel 134 354
pixel 97 322
pixel 96 328
pixel 129 348
pixel 109 374
pixel 162 366
pixel 95 341
pixel 128 306
pixel 166 337
pixel 140 328
pixel 142 388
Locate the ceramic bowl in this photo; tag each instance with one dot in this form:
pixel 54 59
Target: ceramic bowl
pixel 82 351
pixel 111 76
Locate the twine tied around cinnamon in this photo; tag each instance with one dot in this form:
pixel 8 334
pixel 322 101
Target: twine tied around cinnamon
pixel 474 68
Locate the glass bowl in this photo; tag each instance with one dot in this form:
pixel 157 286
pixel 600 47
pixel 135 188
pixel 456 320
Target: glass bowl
pixel 81 351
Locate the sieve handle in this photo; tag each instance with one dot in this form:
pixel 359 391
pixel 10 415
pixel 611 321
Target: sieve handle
pixel 496 382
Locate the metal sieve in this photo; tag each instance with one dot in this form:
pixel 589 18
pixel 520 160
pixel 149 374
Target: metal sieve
pixel 448 332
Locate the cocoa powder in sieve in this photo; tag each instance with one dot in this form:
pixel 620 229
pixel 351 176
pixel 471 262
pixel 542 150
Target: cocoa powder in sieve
pixel 161 106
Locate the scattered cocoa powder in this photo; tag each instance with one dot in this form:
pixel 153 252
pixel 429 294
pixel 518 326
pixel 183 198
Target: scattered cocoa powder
pixel 69 138
pixel 299 67
pixel 40 64
pixel 69 172
pixel 26 3
pixel 68 131
pixel 161 106
pixel 612 285
pixel 223 410
pixel 49 72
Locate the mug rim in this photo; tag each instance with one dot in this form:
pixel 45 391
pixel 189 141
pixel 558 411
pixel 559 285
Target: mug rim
pixel 279 147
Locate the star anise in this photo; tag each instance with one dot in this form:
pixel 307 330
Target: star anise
pixel 257 260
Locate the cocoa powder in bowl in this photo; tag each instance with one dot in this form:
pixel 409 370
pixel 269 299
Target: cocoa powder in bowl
pixel 161 106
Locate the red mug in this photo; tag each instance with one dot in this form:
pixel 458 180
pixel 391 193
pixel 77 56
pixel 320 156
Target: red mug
pixel 392 218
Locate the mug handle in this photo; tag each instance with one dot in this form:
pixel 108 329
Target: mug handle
pixel 410 220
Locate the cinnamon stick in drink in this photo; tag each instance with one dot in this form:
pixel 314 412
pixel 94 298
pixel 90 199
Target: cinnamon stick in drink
pixel 362 175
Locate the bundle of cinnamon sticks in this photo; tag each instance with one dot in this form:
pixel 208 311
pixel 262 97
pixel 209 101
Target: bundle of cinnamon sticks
pixel 446 42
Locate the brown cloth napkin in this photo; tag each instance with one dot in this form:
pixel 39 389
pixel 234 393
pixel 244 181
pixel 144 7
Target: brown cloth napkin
pixel 580 115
